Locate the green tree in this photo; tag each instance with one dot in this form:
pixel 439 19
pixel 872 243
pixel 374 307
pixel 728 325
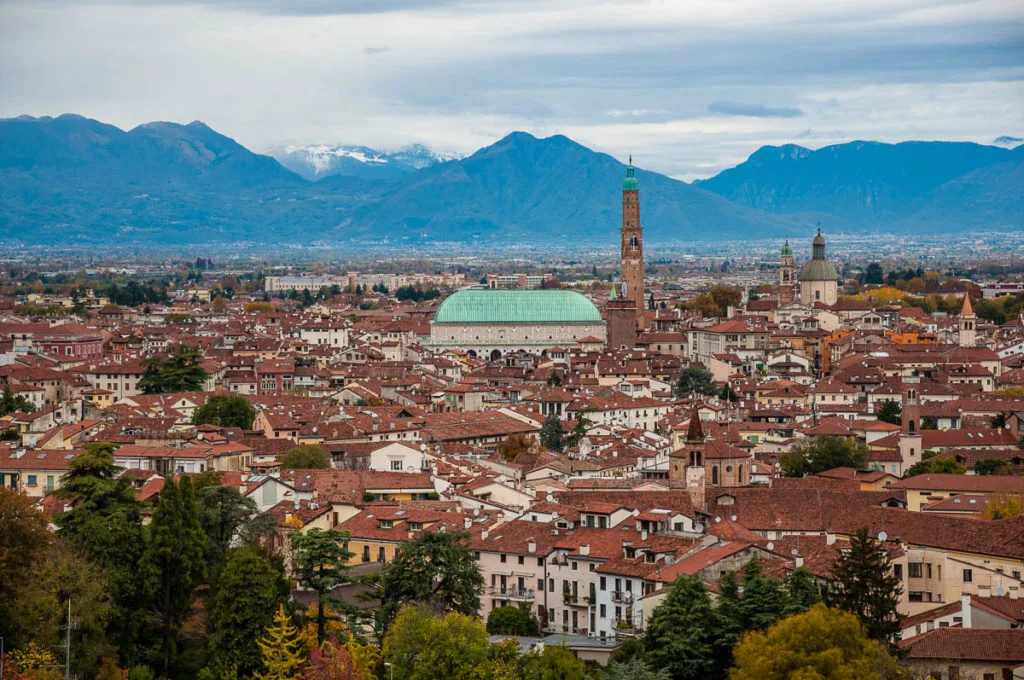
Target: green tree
pixel 865 584
pixel 42 604
pixel 934 465
pixel 231 410
pixel 512 621
pixel 993 466
pixel 173 563
pixel 763 601
pixel 321 565
pixel 873 274
pixel 823 453
pixel 280 649
pixel 245 598
pixel 421 646
pixel 10 403
pixel 106 525
pixel 435 569
pixel 680 635
pixel 803 591
pixel 890 412
pixel 305 457
pixel 180 372
pixel 229 518
pixel 551 433
pixel 555 662
pixel 634 669
pixel 820 643
pixel 695 380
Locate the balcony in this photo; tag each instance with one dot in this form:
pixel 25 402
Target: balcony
pixel 517 594
pixel 621 597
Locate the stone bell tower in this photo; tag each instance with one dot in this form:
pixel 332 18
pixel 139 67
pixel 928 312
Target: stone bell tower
pixel 633 246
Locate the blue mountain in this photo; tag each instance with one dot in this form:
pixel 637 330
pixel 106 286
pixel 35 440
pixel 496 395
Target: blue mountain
pixel 944 186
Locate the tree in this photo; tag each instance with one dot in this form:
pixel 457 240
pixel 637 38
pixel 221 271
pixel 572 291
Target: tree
pixel 10 403
pixel 823 453
pixel 435 569
pixel 555 662
pixel 173 563
pixel 634 669
pixel 25 539
pixel 513 445
pixel 41 605
pixel 820 643
pixel 890 412
pixel 304 457
pixel 511 621
pixel 321 565
pixel 249 591
pixel 331 661
pixel 865 584
pixel 803 591
pixel 993 466
pixel 934 465
pixel 551 433
pixel 280 649
pixel 421 646
pixel 106 525
pixel 763 600
pixel 696 380
pixel 725 297
pixel 873 274
pixel 181 372
pixel 232 410
pixel 1004 506
pixel 680 635
pixel 227 517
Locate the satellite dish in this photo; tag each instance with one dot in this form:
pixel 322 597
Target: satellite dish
pixel 733 518
pixel 699 528
pixel 882 536
pixel 794 552
pixel 770 546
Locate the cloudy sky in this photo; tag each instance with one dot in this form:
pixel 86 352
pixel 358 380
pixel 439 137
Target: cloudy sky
pixel 687 86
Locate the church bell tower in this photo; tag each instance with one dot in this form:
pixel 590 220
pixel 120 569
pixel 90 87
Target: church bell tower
pixel 633 246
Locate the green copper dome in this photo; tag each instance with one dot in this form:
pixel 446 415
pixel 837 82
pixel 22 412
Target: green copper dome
pixel 787 250
pixel 517 306
pixel 630 184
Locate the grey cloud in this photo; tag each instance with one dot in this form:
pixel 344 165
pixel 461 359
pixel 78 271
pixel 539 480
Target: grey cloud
pixel 371 50
pixel 755 110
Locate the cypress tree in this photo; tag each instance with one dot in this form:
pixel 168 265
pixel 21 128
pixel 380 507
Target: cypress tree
pixel 865 584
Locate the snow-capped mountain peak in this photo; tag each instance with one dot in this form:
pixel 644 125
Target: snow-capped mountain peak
pixel 316 161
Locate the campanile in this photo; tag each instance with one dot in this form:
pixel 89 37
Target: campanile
pixel 633 246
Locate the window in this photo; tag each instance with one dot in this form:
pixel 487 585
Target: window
pixel 522 560
pixel 575 566
pixel 898 570
pixel 380 555
pixel 914 570
pixel 604 611
pixel 540 585
pixel 366 553
pixel 915 596
pixel 604 583
pixel 592 566
pixel 31 480
pixel 968 576
pixel 551 585
pixel 503 558
pixel 396 465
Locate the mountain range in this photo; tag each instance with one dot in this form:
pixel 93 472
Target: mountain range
pixel 73 180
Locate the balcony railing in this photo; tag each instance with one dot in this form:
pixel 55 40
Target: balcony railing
pixel 622 597
pixel 512 593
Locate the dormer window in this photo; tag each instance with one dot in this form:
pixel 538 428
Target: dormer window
pixel 386 524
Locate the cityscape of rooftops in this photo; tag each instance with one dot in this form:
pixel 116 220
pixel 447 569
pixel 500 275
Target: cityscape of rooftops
pixel 511 340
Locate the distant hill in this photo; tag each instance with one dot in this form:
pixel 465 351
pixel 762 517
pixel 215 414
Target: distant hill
pixel 71 180
pixel 944 186
pixel 316 161
pixel 524 187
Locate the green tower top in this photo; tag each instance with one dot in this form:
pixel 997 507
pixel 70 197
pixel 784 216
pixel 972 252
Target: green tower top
pixel 629 184
pixel 787 250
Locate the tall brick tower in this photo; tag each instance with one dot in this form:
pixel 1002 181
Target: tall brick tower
pixel 633 246
pixel 787 282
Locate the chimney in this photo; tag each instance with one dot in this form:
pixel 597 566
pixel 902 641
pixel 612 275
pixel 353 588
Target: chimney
pixel 799 561
pixel 484 534
pixel 965 610
pixel 643 535
pixel 467 522
pixel 531 546
pixel 830 539
pixel 585 550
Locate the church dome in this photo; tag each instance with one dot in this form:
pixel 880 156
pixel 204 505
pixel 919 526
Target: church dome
pixel 818 268
pixel 516 306
pixel 787 250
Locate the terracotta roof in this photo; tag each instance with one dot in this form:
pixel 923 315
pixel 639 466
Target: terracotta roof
pixel 1001 645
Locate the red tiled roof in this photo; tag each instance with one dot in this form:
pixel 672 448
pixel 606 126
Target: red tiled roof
pixel 1001 645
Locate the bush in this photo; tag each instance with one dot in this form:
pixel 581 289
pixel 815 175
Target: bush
pixel 512 621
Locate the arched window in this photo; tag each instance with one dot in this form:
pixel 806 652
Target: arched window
pixel 739 473
pixel 714 475
pixel 632 243
pixel 912 427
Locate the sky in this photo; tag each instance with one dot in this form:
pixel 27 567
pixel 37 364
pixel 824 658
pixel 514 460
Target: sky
pixel 688 87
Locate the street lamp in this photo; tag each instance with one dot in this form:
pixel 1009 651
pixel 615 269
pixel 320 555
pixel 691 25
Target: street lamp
pixel 386 665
